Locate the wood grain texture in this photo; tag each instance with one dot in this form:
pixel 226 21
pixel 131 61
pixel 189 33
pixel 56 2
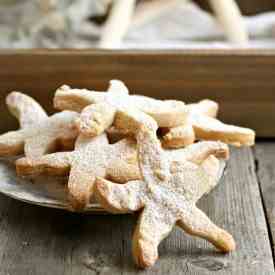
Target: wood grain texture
pixel 242 81
pixel 37 240
pixel 265 157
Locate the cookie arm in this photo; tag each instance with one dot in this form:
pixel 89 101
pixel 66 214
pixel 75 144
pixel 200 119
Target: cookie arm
pixel 180 136
pixel 117 89
pixel 184 135
pixel 38 146
pixel 96 118
pixel 75 99
pixel 153 164
pixel 196 223
pixel 213 168
pixel 25 109
pixel 12 143
pixel 132 121
pixel 120 198
pixel 80 187
pixel 167 113
pixel 151 229
pixel 200 151
pixel 57 164
pixel 120 171
pixel 205 107
pixel 212 129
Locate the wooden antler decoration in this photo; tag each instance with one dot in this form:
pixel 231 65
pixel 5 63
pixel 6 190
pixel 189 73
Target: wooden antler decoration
pixel 121 15
pixel 230 17
pixel 117 23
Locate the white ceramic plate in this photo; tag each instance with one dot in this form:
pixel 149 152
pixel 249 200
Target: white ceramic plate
pixel 44 191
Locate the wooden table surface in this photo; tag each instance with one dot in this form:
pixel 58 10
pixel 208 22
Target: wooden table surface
pixel 36 240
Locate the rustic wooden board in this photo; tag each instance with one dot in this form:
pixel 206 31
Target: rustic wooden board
pixel 265 157
pixel 37 240
pixel 242 81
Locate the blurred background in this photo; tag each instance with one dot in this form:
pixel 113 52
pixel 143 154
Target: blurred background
pixel 136 24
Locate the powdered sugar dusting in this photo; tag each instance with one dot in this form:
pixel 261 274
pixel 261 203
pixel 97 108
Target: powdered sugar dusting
pixel 171 190
pixel 201 119
pixel 39 134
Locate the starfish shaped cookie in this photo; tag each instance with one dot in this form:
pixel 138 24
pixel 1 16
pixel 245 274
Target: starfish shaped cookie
pixel 165 195
pixel 99 108
pixel 202 124
pixel 39 134
pixel 92 157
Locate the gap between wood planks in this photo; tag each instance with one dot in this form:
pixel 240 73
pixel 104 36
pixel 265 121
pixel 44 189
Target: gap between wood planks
pixel 257 161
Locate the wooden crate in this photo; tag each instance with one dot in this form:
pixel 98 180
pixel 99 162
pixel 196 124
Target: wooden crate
pixel 242 81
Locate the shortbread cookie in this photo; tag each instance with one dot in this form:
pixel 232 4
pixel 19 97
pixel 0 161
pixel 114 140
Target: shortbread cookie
pixel 202 125
pixel 165 195
pixel 99 108
pixel 39 134
pixel 91 158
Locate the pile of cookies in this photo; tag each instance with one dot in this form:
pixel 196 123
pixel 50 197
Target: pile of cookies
pixel 129 153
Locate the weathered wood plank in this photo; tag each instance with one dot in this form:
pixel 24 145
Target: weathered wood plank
pixel 189 75
pixel 265 157
pixel 236 206
pixel 36 240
